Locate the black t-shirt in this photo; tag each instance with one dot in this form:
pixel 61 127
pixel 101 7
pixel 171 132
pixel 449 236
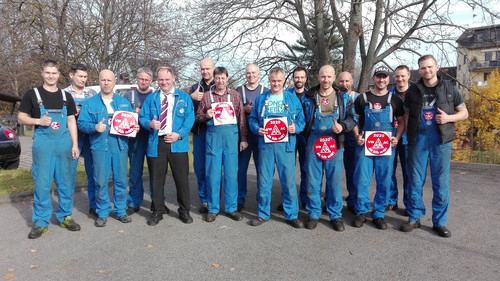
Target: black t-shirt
pixel 359 105
pixel 50 100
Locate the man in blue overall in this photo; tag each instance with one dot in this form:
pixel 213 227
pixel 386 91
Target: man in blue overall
pixel 375 111
pixel 199 130
pixel 109 151
pixel 345 81
pixel 78 76
pixel 269 114
pixel 222 109
pixel 168 115
pixel 55 144
pixel 137 146
pixel 433 106
pixel 248 93
pixel 401 76
pixel 328 114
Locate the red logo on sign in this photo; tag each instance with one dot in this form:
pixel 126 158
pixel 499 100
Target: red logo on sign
pixel 223 112
pixel 276 130
pixel 377 105
pixel 378 143
pixel 124 123
pixel 325 148
pixel 55 125
pixel 428 116
pixel 396 124
pixel 325 101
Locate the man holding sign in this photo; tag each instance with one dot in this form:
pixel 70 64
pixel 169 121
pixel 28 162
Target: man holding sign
pixel 109 150
pixel 277 117
pixel 329 116
pixel 222 110
pixel 376 111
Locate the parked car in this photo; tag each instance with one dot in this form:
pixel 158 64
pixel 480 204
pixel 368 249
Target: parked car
pixel 10 148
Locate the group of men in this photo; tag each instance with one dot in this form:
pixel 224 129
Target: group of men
pixel 328 126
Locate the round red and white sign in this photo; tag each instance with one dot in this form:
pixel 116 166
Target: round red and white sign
pixel 223 112
pixel 276 130
pixel 55 125
pixel 377 105
pixel 325 101
pixel 325 148
pixel 124 123
pixel 378 143
pixel 428 115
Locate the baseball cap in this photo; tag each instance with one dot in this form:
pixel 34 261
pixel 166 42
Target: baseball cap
pixel 381 70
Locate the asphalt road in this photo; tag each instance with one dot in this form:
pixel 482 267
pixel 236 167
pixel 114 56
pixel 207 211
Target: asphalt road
pixel 229 250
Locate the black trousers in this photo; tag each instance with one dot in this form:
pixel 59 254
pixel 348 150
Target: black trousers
pixel 179 165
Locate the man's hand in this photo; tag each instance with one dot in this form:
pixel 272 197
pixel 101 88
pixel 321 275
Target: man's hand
pixel 137 128
pixel 77 109
pixel 291 128
pixel 137 109
pixel 394 141
pixel 171 138
pixel 100 127
pixel 45 120
pixel 154 124
pixel 248 108
pixel 197 95
pixel 441 117
pixel 243 145
pixel 336 128
pixel 359 138
pixel 74 152
pixel 210 113
pixel 262 132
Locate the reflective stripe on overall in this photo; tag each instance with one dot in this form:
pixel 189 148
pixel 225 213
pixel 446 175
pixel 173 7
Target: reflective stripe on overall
pixel 52 159
pixel 84 148
pixel 428 147
pixel 271 154
pixel 221 150
pixel 332 168
pixel 375 120
pixel 113 158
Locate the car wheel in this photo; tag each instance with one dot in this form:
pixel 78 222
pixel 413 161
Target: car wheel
pixel 12 165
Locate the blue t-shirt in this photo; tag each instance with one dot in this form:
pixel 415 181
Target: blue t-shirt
pixel 276 104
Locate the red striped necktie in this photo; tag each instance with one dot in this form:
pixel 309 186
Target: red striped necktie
pixel 163 115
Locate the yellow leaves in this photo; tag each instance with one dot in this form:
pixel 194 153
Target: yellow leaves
pixel 215 265
pixel 7 276
pixel 149 246
pixel 102 271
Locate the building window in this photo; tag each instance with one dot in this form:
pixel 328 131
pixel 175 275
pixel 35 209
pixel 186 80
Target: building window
pixel 488 56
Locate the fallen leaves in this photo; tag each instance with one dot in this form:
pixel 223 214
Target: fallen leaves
pixel 149 246
pixel 215 265
pixel 121 231
pixel 102 271
pixel 7 276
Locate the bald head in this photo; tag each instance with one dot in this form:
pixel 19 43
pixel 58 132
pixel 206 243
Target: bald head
pixel 326 77
pixel 107 82
pixel 345 81
pixel 252 75
pixel 207 70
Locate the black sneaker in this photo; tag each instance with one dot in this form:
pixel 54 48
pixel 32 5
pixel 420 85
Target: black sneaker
pixel 124 219
pixel 131 210
pixel 296 223
pixel 93 212
pixel 311 223
pixel 257 221
pixel 203 208
pixel 442 231
pixel 409 225
pixel 185 217
pixel 240 207
pixel 359 220
pixel 391 207
pixel 100 222
pixel 37 231
pixel 280 208
pixel 210 217
pixel 380 223
pixel 338 224
pixel 70 224
pixel 235 216
pixel 154 219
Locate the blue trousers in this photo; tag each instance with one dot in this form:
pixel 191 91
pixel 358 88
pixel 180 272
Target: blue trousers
pixel 333 173
pixel 137 148
pixel 401 151
pixel 365 166
pixel 199 148
pixel 84 148
pixel 271 154
pixel 51 160
pixel 349 165
pixel 243 161
pixel 428 147
pixel 301 149
pixel 113 159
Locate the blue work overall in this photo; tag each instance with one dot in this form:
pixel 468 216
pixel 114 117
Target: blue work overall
pixel 84 148
pixel 114 157
pixel 375 120
pixel 333 168
pixel 52 160
pixel 428 146
pixel 350 145
pixel 221 150
pixel 271 154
